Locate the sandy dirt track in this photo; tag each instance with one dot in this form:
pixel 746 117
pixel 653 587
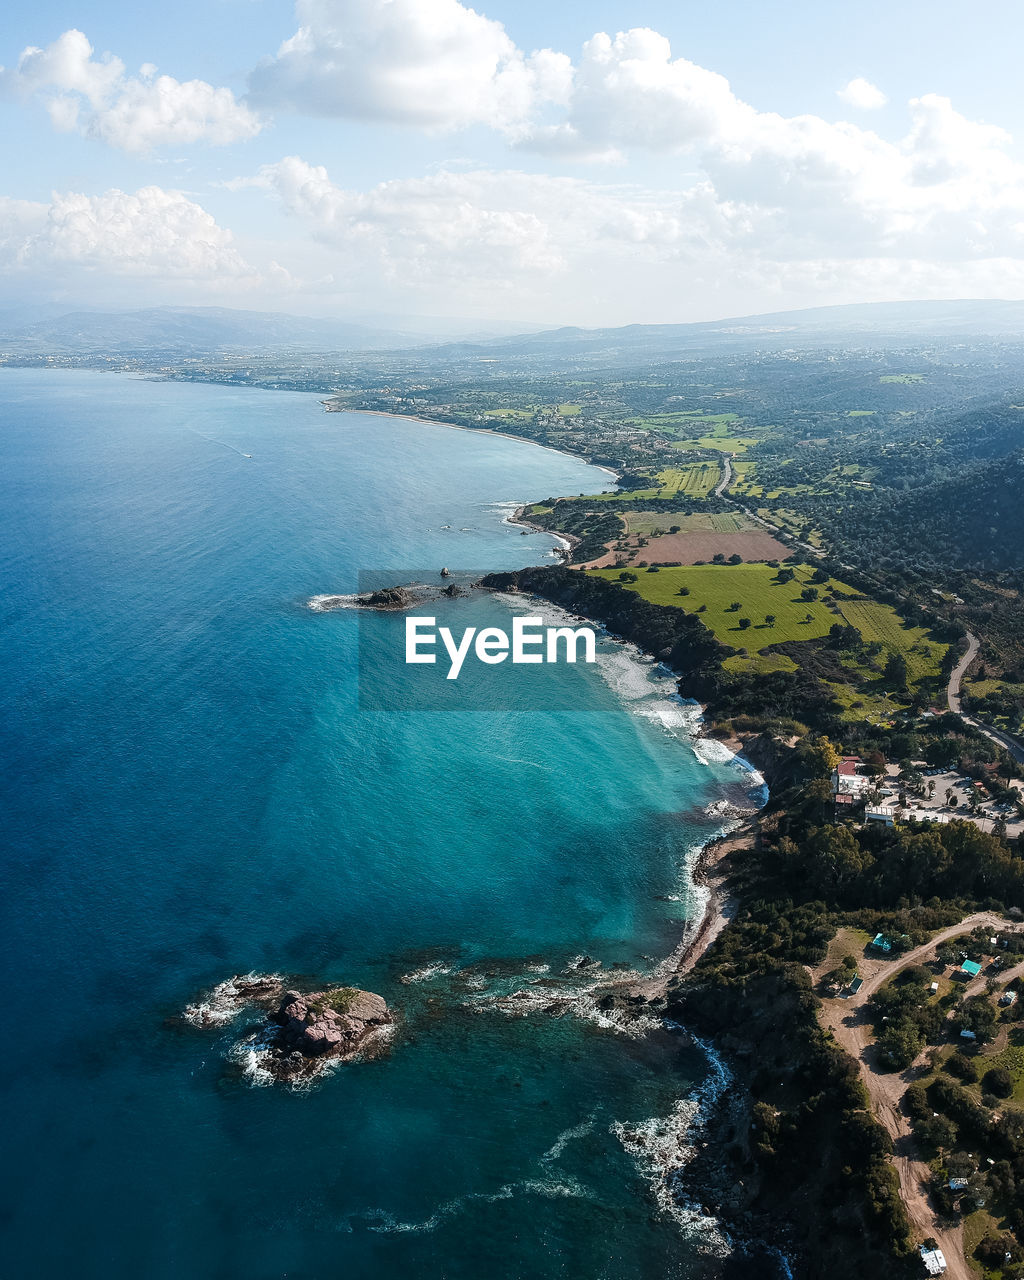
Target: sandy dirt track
pixel 847 1021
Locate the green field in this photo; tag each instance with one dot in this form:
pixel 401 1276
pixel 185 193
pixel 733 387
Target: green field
pixel 695 480
pixel 520 415
pixel 882 623
pixel 695 429
pixel 645 523
pixel 754 586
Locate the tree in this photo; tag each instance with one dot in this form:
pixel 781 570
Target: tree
pixel 683 591
pixel 744 624
pixel 998 1081
pixel 896 670
pixel 735 607
pixel 626 576
pixel 809 593
pixel 769 619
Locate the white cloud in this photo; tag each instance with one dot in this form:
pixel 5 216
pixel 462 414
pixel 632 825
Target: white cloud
pixel 785 218
pixel 96 98
pixel 431 63
pixel 862 94
pixel 465 232
pixel 151 234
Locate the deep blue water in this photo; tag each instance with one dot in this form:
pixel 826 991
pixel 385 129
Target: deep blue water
pixel 190 790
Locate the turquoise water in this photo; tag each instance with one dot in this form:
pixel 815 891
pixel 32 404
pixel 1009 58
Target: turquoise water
pixel 191 791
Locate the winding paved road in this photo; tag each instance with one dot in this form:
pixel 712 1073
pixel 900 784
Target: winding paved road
pixel 953 701
pixel 726 479
pixel 958 673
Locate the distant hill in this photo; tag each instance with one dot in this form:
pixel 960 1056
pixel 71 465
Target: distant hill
pixel 862 324
pixel 183 331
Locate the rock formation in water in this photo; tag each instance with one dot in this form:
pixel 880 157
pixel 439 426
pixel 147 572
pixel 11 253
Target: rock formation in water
pixel 302 1033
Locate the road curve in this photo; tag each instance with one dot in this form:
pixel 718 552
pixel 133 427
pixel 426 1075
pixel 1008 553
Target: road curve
pixel 726 479
pixel 958 672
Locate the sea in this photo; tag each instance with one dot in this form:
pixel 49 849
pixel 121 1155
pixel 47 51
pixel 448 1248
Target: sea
pixel 193 789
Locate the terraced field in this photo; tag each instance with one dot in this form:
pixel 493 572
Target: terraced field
pixel 646 523
pixel 695 480
pixel 881 623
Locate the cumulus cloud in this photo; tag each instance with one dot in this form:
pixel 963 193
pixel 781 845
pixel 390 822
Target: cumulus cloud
pixel 96 97
pixel 781 218
pixel 151 234
pixel 431 63
pixel 476 231
pixel 862 94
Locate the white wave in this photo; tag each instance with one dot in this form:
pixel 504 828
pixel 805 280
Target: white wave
pixel 325 603
pixel 711 751
pixel 663 1146
pixel 565 1137
pixel 224 1002
pixel 253 1055
pixel 386 1223
pixel 436 969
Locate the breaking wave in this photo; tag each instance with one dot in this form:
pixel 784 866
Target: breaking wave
pixel 224 1002
pixel 663 1146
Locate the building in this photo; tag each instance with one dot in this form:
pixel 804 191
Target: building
pixel 1008 998
pixel 970 968
pixel 958 1184
pixel 934 1261
pixel 883 814
pixel 847 780
pixel 934 988
pixel 856 985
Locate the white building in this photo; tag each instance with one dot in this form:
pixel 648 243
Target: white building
pixel 934 1261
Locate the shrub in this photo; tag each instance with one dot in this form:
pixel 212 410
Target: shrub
pixel 998 1081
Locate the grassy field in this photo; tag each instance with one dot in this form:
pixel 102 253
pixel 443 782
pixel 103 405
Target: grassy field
pixel 646 522
pixel 694 480
pixel 754 587
pixel 881 623
pixel 758 592
pixel 698 430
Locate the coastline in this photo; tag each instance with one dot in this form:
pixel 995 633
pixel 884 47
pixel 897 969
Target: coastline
pixel 719 909
pixel 456 426
pixel 707 873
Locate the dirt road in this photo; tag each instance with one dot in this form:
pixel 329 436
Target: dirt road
pixel 848 1023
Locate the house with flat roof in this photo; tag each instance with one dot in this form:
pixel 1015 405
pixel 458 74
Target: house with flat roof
pixel 934 1261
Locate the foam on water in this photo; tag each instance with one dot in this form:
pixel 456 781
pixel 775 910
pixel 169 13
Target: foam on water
pixel 224 1002
pixel 664 1145
pixel 381 1220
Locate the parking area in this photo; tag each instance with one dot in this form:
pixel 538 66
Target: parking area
pixel 950 794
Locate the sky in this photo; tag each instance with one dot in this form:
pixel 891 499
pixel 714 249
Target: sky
pixel 574 163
